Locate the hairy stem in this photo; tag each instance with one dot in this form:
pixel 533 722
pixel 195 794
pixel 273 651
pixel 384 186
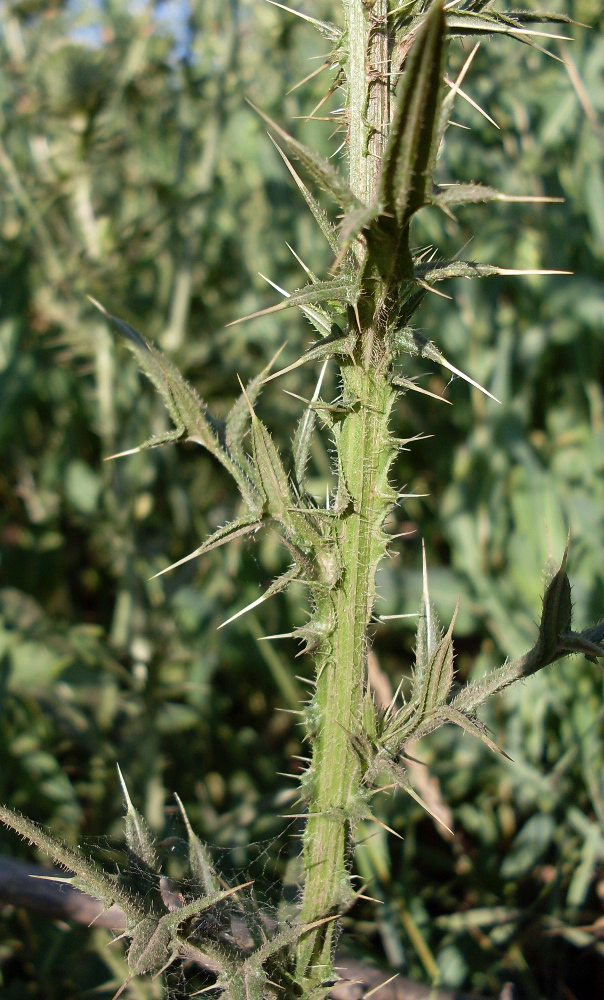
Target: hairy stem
pixel 337 800
pixel 368 92
pixel 366 451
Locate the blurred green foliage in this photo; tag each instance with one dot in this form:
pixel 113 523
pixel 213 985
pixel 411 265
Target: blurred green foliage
pixel 131 169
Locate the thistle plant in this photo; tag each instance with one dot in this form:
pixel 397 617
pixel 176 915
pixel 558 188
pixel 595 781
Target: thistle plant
pixel 389 60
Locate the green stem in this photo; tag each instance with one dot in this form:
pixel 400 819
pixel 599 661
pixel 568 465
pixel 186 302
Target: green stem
pixel 337 798
pixel 368 92
pixel 366 451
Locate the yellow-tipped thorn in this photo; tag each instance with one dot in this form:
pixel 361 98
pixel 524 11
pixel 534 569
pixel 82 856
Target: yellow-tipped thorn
pixel 519 271
pixel 95 302
pixel 298 13
pixel 53 878
pixel 325 98
pixel 410 384
pixel 261 312
pixel 387 828
pixel 426 596
pixel 384 788
pixel 394 698
pixel 464 69
pixel 467 98
pixel 531 198
pixel 310 76
pixel 122 454
pixel 389 618
pixel 276 355
pixel 306 269
pixel 203 549
pixel 279 635
pixel 306 680
pixel 477 385
pixel 381 986
pixel 274 285
pixel 206 989
pixel 243 611
pixel 174 565
pixel 540 34
pixel 254 417
pixel 284 371
pixel 296 396
pixel 429 288
pixel 127 798
pixel 519 199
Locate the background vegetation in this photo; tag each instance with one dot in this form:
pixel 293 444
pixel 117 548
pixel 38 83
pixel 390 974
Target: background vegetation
pixel 132 169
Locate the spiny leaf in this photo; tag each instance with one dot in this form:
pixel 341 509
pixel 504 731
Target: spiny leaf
pixel 199 862
pixel 438 678
pixel 412 342
pixel 303 434
pixel 473 726
pixel 197 906
pixel 317 316
pixel 230 531
pixel 150 946
pixel 351 228
pixel 431 687
pixel 90 877
pixel 320 318
pixel 555 640
pixel 494 22
pixel 555 616
pixel 279 502
pixel 341 290
pixel 138 836
pixel 469 269
pixel 313 633
pixel 272 475
pixel 590 642
pixel 325 225
pixel 237 422
pixel 401 778
pixel 542 17
pixel 182 402
pixel 155 941
pixel 331 31
pixel 277 586
pixel 188 412
pixel 337 343
pixel 428 629
pixel 320 169
pixel 248 981
pixel 473 194
pixel 407 168
pixel 406 174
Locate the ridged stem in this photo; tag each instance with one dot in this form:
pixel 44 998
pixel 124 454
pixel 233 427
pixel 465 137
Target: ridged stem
pixel 337 797
pixel 369 46
pixel 366 450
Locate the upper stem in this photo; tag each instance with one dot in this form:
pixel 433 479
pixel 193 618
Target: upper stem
pixel 366 450
pixel 370 44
